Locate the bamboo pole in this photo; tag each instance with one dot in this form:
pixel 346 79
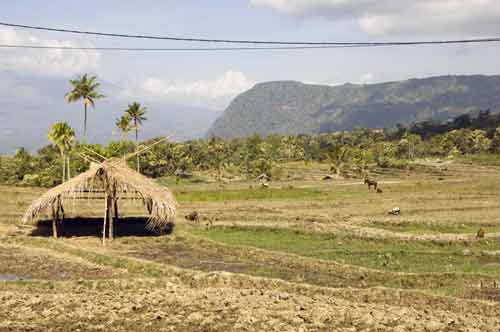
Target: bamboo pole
pixel 106 210
pixel 116 208
pixel 111 221
pixel 54 222
pixel 60 209
pixel 59 214
pixel 113 212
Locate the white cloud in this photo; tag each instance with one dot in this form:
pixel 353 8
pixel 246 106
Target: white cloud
pixel 366 78
pixel 401 16
pixel 294 7
pixel 327 82
pixel 44 61
pixel 215 93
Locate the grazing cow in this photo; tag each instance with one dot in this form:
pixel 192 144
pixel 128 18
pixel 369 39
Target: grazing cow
pixel 480 233
pixel 193 216
pixel 395 211
pixel 371 183
pixel 379 190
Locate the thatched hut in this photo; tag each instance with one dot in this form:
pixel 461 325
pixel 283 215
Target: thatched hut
pixel 111 180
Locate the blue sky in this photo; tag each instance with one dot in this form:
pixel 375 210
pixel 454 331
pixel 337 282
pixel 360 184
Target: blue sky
pixel 211 80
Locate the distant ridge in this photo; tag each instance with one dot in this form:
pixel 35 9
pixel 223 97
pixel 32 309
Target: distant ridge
pixel 290 107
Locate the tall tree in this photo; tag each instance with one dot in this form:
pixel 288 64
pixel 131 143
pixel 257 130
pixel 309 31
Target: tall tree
pixel 63 136
pixel 136 113
pixel 84 88
pixel 123 124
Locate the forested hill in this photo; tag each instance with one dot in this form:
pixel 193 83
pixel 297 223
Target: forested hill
pixel 290 107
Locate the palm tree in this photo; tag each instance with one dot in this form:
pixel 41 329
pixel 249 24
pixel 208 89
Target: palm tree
pixel 85 88
pixel 136 113
pixel 62 135
pixel 123 124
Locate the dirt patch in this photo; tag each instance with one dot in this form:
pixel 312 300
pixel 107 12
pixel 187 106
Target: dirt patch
pixel 173 307
pixel 21 264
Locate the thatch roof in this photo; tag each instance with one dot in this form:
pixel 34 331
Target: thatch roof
pixel 115 178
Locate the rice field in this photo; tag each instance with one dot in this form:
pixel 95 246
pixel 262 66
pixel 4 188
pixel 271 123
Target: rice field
pixel 304 254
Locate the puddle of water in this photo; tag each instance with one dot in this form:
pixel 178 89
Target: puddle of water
pixel 10 277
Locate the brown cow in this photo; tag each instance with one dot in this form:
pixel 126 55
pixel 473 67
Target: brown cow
pixel 371 183
pixel 193 216
pixel 480 233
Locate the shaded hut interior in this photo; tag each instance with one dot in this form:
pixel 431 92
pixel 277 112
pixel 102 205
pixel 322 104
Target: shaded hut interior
pixel 109 186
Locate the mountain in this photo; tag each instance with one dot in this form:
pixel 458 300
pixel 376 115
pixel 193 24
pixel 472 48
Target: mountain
pixel 28 106
pixel 289 107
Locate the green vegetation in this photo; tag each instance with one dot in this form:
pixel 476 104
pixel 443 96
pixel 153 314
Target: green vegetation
pixel 63 136
pixel 420 228
pixel 346 154
pixel 123 124
pixel 391 255
pixel 135 112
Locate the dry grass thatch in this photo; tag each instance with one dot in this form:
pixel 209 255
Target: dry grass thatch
pixel 115 179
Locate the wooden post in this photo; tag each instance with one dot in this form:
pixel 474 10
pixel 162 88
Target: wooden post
pixel 149 206
pixel 54 228
pixel 111 219
pixel 113 216
pixel 116 208
pixel 54 221
pixel 106 213
pixel 60 215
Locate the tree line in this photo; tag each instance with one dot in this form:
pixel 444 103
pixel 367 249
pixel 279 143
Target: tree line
pixel 347 153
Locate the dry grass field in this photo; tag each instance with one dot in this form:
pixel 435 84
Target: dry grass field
pixel 301 255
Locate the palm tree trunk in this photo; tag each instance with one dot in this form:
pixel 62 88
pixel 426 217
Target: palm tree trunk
pixel 136 131
pixel 68 173
pixel 63 167
pixel 85 123
pixel 136 144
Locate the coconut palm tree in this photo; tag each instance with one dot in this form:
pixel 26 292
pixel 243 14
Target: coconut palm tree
pixel 63 136
pixel 136 113
pixel 123 124
pixel 84 88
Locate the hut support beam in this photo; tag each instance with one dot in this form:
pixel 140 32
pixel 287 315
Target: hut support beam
pixel 113 213
pixel 115 202
pixel 106 214
pixel 54 228
pixel 55 218
pixel 59 215
pixel 112 217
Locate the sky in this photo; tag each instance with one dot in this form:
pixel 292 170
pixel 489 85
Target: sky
pixel 212 80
